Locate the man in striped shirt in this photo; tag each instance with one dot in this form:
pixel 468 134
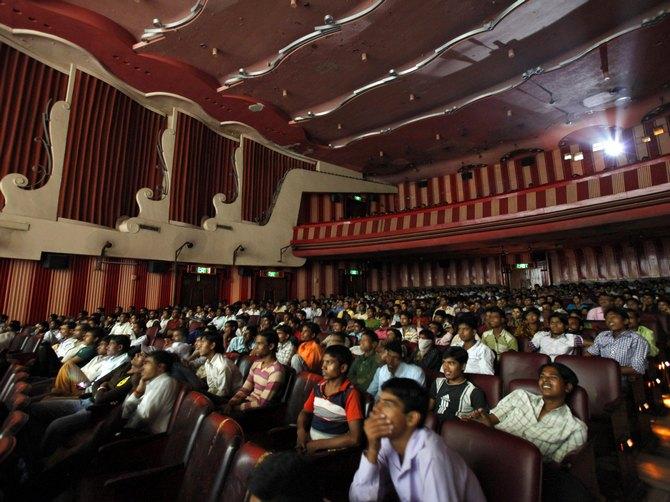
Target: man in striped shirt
pixel 266 376
pixel 332 416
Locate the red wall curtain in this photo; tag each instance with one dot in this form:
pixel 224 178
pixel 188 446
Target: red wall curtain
pixel 203 166
pixel 110 153
pixel 263 170
pixel 26 86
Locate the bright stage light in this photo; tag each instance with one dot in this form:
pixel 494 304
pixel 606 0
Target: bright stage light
pixel 613 148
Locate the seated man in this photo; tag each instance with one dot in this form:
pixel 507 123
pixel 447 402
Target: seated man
pixel 149 406
pixel 266 376
pixel 454 397
pixel 336 339
pixel 623 345
pixel 332 415
pixel 408 332
pixel 71 376
pixel 545 420
pixel 363 368
pixel 223 376
pixel 598 313
pixel 403 454
pixel 480 357
pixel 310 352
pixel 243 343
pixel 179 346
pixel 426 354
pixel 123 326
pixel 498 339
pixel 394 368
pixel 286 346
pixel 556 341
pixel 643 331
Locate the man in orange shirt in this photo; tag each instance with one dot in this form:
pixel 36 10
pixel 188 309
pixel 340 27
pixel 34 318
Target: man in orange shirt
pixel 310 353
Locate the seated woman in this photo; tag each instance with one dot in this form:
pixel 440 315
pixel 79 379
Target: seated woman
pixel 454 397
pixel 556 341
pixel 426 354
pixel 545 419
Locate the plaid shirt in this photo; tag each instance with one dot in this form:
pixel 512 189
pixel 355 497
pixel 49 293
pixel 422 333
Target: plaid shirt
pixel 285 352
pixel 557 434
pixel 628 349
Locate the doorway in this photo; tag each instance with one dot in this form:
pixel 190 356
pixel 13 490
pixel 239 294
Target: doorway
pixel 350 285
pixel 199 289
pixel 271 288
pixel 526 278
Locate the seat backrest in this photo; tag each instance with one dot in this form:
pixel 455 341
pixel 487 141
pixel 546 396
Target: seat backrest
pixel 289 382
pixel 13 424
pixel 577 400
pixel 151 333
pixel 216 443
pixel 193 409
pixel 17 342
pixel 486 451
pixel 7 445
pixel 600 377
pixel 183 391
pixel 304 383
pixel 244 364
pixel 515 365
pixel 490 384
pixel 237 480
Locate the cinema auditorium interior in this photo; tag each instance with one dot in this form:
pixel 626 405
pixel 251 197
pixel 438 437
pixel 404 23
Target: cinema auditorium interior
pixel 318 250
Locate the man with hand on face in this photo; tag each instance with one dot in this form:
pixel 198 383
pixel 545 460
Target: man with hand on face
pixel 403 453
pixel 149 405
pixel 332 415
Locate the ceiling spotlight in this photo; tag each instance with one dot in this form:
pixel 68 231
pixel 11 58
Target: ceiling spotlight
pixel 646 139
pixel 613 148
pixel 328 19
pixel 567 156
pixel 659 130
pixel 578 156
pixel 256 107
pixel 510 53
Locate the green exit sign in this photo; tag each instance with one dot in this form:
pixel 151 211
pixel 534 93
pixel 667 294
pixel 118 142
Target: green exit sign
pixel 522 265
pixel 273 273
pixel 203 270
pixel 354 271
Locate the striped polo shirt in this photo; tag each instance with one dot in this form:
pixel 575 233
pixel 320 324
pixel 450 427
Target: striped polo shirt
pixel 331 414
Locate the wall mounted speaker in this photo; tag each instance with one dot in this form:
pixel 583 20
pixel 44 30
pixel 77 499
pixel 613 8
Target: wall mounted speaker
pixel 158 267
pixel 55 261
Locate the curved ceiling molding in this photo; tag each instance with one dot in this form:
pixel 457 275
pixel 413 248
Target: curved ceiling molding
pixel 331 26
pixel 528 74
pixel 159 28
pixel 394 75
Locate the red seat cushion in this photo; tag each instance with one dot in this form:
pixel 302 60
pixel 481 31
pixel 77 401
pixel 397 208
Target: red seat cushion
pixel 237 480
pixel 515 365
pixel 490 384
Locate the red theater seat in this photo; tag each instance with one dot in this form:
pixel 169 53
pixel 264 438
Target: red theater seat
pixel 490 384
pixel 516 365
pixel 237 480
pixel 507 467
pixel 14 423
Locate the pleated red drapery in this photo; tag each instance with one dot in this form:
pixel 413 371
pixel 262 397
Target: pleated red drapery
pixel 110 153
pixel 263 170
pixel 203 166
pixel 26 86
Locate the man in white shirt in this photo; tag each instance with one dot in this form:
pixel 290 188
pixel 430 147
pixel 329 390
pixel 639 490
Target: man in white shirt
pixel 149 405
pixel 394 368
pixel 480 357
pixel 71 336
pixel 179 345
pixel 223 376
pixel 122 326
pixel 556 341
pixel 219 320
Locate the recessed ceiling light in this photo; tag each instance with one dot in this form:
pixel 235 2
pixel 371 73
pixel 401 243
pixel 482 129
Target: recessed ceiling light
pixel 659 130
pixel 646 139
pixel 578 156
pixel 567 156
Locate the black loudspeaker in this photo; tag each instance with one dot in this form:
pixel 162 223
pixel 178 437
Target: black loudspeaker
pixel 158 267
pixel 246 272
pixel 422 183
pixel 466 175
pixel 336 198
pixel 538 256
pixel 55 261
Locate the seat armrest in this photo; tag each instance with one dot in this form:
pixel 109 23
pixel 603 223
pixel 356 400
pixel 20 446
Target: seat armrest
pixel 257 419
pixel 137 453
pixel 159 483
pixel 581 464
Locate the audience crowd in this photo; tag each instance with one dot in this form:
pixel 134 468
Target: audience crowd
pixel 390 365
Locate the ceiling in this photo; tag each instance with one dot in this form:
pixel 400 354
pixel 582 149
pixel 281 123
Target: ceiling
pixel 386 85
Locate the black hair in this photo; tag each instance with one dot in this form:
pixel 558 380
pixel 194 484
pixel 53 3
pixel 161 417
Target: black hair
pixel 531 310
pixel 71 324
pixel 216 339
pixel 163 357
pixel 285 328
pixel 440 312
pixel 567 375
pixel 253 330
pixel 497 310
pixel 313 327
pixel 371 335
pixel 623 313
pixel 413 396
pixel 271 337
pixel 341 353
pixel 360 323
pixel 339 321
pixel 98 333
pixel 285 476
pixel 468 319
pixel 427 333
pixel 561 317
pixel 459 354
pixel 394 346
pixel 122 340
pixel 232 323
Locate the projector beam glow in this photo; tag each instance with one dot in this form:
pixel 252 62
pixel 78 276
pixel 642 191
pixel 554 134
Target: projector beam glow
pixel 613 148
